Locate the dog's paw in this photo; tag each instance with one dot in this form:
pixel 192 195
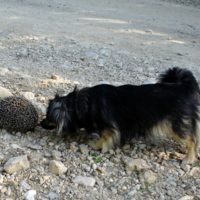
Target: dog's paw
pixel 189 160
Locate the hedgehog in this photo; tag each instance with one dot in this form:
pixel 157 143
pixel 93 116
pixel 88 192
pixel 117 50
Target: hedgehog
pixel 17 114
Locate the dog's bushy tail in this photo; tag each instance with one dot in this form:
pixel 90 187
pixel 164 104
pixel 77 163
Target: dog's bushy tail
pixel 178 76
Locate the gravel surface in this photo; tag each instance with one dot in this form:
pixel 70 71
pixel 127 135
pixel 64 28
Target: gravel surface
pixel 48 47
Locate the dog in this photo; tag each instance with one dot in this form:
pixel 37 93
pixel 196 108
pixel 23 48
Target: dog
pixel 120 113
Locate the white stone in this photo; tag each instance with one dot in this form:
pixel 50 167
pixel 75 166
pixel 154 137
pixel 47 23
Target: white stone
pixel 187 197
pixel 57 167
pixel 5 92
pixel 24 185
pixel 134 164
pixel 28 95
pixel 30 195
pixel 87 181
pixel 16 164
pixel 40 108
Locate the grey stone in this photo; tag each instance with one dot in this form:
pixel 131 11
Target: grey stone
pixel 89 55
pixel 134 164
pixel 87 181
pixel 150 176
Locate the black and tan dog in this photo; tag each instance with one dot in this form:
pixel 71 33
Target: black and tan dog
pixel 171 106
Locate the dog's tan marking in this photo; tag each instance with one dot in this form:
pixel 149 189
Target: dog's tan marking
pixel 109 138
pixel 165 128
pixel 190 145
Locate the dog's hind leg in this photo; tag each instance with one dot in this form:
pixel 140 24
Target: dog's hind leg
pixel 110 137
pixel 191 148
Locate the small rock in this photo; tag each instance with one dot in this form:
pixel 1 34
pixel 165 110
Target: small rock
pixel 30 195
pixel 14 68
pixel 1 157
pixel 22 52
pixel 34 146
pixel 15 146
pixel 24 185
pixel 3 71
pixel 187 197
pixel 180 54
pixel 89 55
pixel 40 108
pixel 87 181
pixel 149 31
pixel 84 149
pixel 105 52
pixel 52 195
pixel 28 95
pixel 1 178
pixel 132 192
pixel 56 155
pixel 150 176
pixel 134 164
pixel 123 52
pixel 73 147
pixel 55 77
pixel 16 164
pixel 5 92
pixel 57 167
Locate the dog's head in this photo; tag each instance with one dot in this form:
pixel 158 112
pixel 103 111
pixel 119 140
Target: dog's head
pixel 59 113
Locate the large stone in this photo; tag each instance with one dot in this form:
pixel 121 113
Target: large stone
pixel 134 164
pixel 87 181
pixel 16 164
pixel 4 93
pixel 150 176
pixel 57 167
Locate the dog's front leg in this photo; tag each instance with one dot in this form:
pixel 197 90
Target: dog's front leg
pixel 109 138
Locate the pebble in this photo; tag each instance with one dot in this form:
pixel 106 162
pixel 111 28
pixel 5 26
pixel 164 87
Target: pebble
pixel 57 167
pixel 1 178
pixel 16 164
pixel 4 92
pixel 150 176
pixel 84 149
pixel 28 95
pixel 30 195
pixel 89 55
pixel 22 52
pixel 186 198
pixel 52 195
pixel 86 181
pixel 24 185
pixel 134 164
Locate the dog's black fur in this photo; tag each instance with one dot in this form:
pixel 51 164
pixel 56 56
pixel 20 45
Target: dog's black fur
pixel 170 106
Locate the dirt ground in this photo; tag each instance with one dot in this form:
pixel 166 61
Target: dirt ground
pixel 49 46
